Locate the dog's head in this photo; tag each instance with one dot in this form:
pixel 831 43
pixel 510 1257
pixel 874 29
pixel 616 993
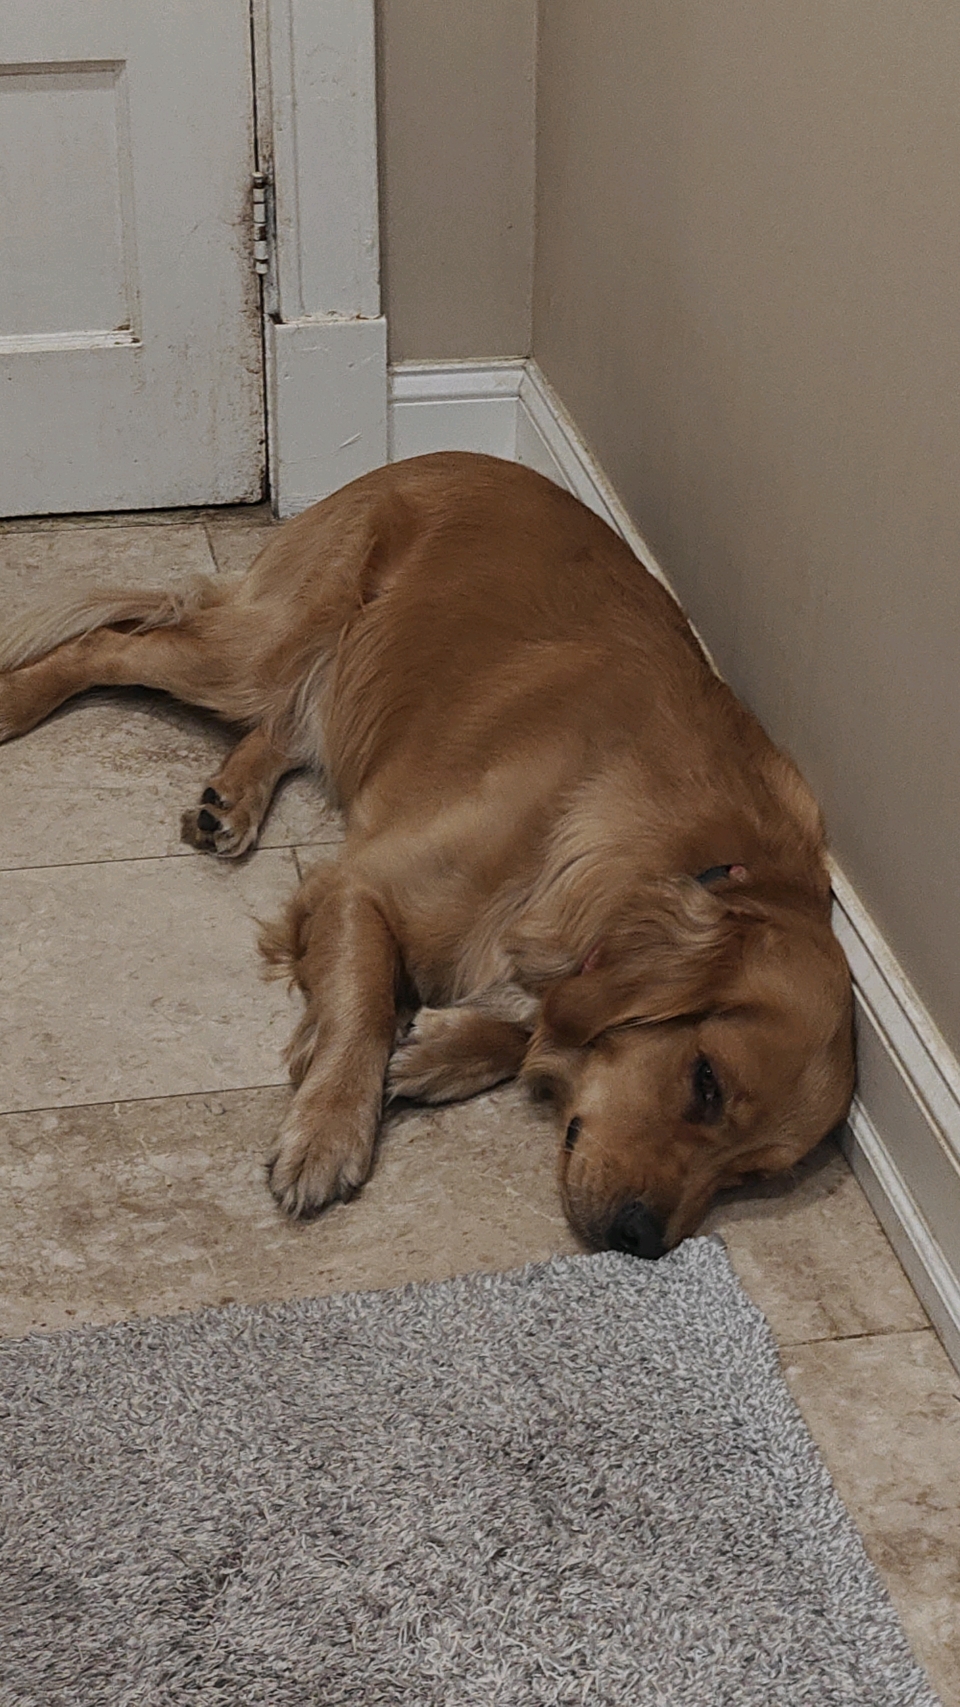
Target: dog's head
pixel 707 1038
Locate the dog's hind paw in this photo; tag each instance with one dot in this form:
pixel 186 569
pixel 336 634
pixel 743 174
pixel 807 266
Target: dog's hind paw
pixel 427 1063
pixel 451 1053
pixel 216 826
pixel 21 706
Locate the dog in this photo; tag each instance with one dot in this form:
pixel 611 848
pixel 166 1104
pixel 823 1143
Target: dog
pixel 571 854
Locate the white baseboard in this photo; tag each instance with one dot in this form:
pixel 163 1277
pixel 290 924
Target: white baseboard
pixel 903 1137
pixel 454 406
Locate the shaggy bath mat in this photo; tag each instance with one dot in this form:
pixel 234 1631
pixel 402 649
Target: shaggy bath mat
pixel 584 1482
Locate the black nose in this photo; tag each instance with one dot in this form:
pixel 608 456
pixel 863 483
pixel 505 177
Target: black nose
pixel 635 1229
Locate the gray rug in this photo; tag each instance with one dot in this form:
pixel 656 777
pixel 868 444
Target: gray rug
pixel 584 1482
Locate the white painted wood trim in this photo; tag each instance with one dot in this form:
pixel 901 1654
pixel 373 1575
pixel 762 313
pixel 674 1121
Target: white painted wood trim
pixel 462 381
pixel 903 1136
pixel 546 421
pixel 322 145
pixel 326 406
pixel 932 1276
pixel 453 406
pixel 34 343
pixel 898 1010
pixel 324 336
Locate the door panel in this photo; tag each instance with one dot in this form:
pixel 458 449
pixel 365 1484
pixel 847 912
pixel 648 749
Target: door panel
pixel 130 352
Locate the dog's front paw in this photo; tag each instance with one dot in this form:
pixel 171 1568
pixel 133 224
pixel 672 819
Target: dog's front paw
pixel 218 826
pixel 323 1157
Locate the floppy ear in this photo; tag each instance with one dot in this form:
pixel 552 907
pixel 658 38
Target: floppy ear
pixel 669 961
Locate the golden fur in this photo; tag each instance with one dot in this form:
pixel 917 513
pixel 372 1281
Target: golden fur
pixel 536 764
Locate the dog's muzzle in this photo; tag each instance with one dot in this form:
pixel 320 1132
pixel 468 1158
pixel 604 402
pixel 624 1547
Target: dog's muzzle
pixel 636 1230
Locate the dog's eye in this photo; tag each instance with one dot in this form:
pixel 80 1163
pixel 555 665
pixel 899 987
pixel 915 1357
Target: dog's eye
pixel 707 1104
pixel 573 1132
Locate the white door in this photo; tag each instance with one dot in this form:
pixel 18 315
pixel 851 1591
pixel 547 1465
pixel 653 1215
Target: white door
pixel 130 343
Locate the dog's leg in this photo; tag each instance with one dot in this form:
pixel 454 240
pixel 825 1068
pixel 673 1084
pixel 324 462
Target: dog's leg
pixel 450 1053
pixel 30 693
pixel 234 803
pixel 348 965
pixel 181 659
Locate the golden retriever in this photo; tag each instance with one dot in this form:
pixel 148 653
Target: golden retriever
pixel 570 852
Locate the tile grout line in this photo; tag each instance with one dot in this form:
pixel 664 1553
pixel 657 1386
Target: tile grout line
pixel 211 548
pixel 122 859
pixel 846 1339
pixel 188 855
pixel 131 1102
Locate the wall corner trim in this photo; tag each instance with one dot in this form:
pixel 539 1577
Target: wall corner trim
pixel 327 405
pixel 903 1136
pixel 325 344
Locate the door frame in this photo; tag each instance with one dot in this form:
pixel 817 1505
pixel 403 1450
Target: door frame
pixel 324 337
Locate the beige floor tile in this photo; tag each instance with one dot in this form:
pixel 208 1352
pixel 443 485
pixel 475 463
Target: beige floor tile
pixel 812 1255
pixel 140 1208
pixel 105 778
pixel 41 566
pixel 139 978
pixel 109 776
pixel 885 1412
pixel 235 543
pixel 300 815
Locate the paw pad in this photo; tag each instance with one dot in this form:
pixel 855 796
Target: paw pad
pixel 227 832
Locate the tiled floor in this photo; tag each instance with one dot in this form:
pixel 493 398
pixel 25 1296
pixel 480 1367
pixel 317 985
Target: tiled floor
pixel 141 1083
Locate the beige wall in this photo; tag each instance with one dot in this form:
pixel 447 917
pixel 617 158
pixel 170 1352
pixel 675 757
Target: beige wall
pixel 747 292
pixel 456 81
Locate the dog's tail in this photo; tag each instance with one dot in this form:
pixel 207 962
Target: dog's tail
pixel 137 610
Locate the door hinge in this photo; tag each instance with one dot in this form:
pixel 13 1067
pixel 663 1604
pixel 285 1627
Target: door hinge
pixel 261 223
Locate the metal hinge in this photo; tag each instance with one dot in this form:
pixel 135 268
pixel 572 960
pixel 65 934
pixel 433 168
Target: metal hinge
pixel 261 223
